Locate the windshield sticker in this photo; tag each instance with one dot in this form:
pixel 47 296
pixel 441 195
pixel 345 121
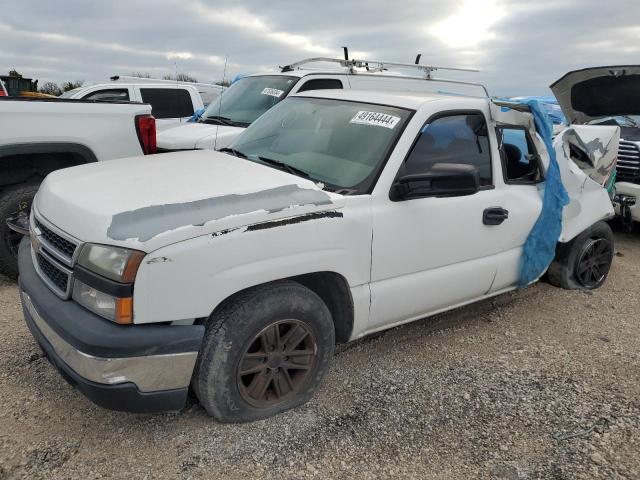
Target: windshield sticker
pixel 375 118
pixel 272 92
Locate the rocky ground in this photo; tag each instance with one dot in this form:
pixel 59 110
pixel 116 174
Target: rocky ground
pixel 540 383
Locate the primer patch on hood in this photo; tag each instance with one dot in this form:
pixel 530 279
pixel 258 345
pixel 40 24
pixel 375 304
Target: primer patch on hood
pixel 147 222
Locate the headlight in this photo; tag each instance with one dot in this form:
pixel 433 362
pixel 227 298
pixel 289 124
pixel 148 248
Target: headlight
pixel 103 282
pixel 119 310
pixel 117 263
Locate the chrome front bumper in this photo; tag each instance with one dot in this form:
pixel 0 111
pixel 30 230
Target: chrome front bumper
pixel 136 368
pixel 148 373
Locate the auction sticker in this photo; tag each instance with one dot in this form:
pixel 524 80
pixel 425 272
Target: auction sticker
pixel 375 118
pixel 272 92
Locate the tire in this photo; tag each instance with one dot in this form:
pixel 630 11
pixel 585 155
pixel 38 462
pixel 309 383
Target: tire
pixel 568 268
pixel 13 200
pixel 238 378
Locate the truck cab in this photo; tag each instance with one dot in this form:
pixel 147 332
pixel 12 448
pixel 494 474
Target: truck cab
pixel 334 215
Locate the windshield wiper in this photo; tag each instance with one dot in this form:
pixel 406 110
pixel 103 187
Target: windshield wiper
pixel 217 120
pixel 233 151
pixel 284 166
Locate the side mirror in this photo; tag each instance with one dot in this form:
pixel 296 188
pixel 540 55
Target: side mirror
pixel 443 180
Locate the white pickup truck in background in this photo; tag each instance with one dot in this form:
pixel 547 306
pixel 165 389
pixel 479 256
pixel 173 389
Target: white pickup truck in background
pixel 43 135
pixel 171 102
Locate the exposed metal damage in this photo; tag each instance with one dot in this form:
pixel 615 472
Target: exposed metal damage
pixel 594 149
pixel 294 220
pixel 147 222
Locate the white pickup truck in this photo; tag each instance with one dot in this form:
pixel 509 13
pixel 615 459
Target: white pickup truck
pixel 334 215
pixel 38 136
pixel 172 103
pixel 251 96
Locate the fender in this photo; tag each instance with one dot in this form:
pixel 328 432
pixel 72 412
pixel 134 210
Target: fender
pixel 48 147
pixel 188 279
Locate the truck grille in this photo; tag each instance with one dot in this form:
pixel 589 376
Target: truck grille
pixel 628 167
pixel 55 242
pixel 57 277
pixel 53 254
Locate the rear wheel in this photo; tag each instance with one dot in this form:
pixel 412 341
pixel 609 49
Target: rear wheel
pixel 15 200
pixel 264 352
pixel 584 262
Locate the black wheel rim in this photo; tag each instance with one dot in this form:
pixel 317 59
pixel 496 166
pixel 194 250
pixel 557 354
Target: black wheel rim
pixel 594 262
pixel 277 363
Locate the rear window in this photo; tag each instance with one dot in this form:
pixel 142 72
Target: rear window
pixel 112 94
pixel 321 84
pixel 168 102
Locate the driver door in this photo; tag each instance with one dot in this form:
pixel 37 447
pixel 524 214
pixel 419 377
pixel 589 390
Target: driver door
pixel 429 254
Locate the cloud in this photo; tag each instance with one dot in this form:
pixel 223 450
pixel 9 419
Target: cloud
pixel 248 23
pixel 520 47
pixel 470 25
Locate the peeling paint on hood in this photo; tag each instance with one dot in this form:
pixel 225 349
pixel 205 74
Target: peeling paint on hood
pixel 147 222
pixel 172 197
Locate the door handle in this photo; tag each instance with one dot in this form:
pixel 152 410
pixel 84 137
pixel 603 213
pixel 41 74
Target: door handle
pixel 494 215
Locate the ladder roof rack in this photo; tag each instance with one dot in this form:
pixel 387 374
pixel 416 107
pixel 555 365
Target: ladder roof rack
pixel 373 65
pixel 360 66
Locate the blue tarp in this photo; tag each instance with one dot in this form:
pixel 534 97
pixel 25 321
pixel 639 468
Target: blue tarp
pixel 550 105
pixel 197 114
pixel 540 247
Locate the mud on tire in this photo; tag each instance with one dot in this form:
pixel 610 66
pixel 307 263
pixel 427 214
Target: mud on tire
pixel 13 200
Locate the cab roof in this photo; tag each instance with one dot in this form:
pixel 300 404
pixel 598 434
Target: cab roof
pixel 410 100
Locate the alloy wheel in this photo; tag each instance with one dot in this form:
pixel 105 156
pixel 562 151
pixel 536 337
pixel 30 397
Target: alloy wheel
pixel 594 262
pixel 277 363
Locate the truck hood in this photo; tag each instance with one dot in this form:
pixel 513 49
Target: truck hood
pixel 598 92
pixel 197 135
pixel 150 202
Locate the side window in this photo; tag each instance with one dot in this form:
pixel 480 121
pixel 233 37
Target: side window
pixel 120 94
pixel 459 139
pixel 168 102
pixel 520 161
pixel 321 84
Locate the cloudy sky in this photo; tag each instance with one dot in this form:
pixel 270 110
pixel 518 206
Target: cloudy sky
pixel 520 46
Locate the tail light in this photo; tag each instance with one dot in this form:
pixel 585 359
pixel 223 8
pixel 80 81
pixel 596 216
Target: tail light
pixel 146 128
pixel 3 93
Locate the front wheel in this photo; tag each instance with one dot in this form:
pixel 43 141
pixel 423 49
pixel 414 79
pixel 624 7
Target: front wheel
pixel 584 263
pixel 264 352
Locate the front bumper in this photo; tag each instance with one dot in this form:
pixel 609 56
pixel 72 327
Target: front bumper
pixel 139 368
pixel 632 190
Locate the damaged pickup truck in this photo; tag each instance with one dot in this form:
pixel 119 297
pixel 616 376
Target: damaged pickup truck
pixel 334 215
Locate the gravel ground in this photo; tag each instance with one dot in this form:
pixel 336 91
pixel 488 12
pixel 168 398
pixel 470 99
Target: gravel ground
pixel 540 383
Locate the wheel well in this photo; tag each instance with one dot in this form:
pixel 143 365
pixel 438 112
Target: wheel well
pixel 334 291
pixel 21 168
